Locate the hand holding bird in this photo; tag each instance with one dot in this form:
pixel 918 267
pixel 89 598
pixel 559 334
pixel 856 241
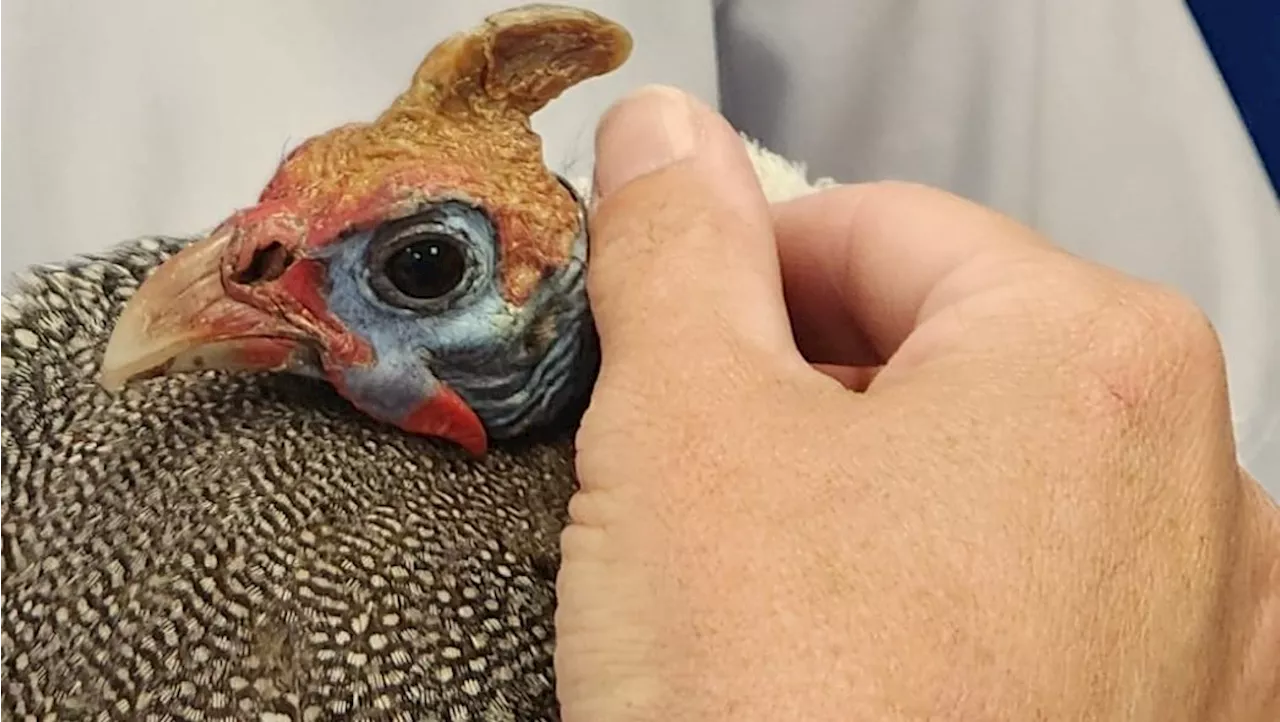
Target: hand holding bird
pixel 871 451
pixel 881 453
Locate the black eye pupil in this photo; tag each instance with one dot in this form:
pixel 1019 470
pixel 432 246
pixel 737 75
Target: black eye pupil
pixel 427 268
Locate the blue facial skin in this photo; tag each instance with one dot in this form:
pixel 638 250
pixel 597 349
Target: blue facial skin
pixel 517 367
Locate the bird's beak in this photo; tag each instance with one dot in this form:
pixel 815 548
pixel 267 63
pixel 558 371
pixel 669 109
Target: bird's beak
pixel 182 319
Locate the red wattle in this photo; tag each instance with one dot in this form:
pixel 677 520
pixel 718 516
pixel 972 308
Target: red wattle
pixel 447 416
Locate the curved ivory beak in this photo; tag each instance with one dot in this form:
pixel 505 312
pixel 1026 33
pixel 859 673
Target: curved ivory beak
pixel 181 319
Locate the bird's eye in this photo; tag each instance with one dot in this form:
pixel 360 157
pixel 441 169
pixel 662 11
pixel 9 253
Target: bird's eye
pixel 430 261
pixel 418 268
pixel 427 266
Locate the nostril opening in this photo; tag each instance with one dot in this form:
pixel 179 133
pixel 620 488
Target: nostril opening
pixel 267 264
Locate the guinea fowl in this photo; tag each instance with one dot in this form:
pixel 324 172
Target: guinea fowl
pixel 427 264
pixel 232 543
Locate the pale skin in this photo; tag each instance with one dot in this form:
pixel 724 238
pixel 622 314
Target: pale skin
pixel 883 454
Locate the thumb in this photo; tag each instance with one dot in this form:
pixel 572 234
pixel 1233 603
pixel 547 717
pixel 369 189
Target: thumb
pixel 683 260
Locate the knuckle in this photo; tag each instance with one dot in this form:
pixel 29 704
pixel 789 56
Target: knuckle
pixel 1172 330
pixel 1187 323
pixel 644 220
pixel 647 244
pixel 1142 346
pixel 660 273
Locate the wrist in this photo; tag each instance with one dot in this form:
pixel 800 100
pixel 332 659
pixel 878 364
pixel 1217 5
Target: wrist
pixel 1253 693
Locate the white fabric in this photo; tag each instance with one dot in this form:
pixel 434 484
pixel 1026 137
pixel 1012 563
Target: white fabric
pixel 1101 122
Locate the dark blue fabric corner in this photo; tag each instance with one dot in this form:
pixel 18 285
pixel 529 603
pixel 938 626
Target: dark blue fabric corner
pixel 1244 37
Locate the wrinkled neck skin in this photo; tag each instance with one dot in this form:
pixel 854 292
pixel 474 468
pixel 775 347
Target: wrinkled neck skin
pixel 529 377
pixel 520 368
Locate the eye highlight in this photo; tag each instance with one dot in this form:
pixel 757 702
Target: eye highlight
pixel 426 266
pixel 430 260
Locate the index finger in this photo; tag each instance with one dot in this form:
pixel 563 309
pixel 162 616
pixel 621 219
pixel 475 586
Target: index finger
pixel 863 265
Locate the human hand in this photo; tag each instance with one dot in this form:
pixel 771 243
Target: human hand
pixel 880 453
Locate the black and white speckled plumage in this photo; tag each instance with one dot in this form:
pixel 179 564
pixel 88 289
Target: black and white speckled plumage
pixel 232 547
pixel 222 546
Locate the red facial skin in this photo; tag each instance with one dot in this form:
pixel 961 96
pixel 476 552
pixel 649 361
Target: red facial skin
pixel 301 224
pixel 461 130
pixel 447 416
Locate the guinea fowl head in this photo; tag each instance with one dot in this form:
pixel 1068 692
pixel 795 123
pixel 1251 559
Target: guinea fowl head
pixel 428 265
